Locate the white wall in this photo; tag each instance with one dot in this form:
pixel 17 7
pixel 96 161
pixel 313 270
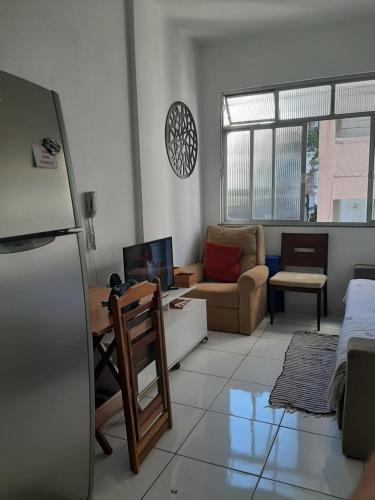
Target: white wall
pixel 277 57
pixel 166 72
pixel 78 49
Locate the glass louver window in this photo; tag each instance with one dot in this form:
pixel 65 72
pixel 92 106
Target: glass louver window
pixel 305 102
pixel 238 176
pixel 262 174
pixel 288 147
pixel 251 108
pixel 355 97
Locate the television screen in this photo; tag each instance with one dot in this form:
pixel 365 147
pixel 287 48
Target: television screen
pixel 146 261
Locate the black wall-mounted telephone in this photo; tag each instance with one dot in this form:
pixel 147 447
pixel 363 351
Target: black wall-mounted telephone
pixel 91 207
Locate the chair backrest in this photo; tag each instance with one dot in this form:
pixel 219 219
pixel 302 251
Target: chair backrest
pixel 304 250
pixel 140 341
pixel 249 238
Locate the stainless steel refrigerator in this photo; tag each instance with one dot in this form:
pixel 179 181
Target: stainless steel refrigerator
pixel 46 403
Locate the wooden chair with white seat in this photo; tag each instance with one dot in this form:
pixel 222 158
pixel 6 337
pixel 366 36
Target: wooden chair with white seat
pixel 302 250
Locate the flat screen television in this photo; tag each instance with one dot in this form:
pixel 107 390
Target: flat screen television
pixel 153 259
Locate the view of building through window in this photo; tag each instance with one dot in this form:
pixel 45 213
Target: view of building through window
pixel 337 167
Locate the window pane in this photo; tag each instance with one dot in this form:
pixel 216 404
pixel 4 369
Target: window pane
pixel 355 97
pixel 251 108
pixel 288 149
pixel 301 103
pixel 337 170
pixel 225 115
pixel 349 210
pixel 238 176
pixel 312 171
pixel 262 174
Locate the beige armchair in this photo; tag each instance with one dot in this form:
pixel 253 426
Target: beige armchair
pixel 235 307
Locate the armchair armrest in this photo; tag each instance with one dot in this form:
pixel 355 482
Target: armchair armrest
pixel 359 404
pixel 252 291
pixel 253 278
pixel 196 268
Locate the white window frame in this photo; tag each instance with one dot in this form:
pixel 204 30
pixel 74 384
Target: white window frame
pixel 277 123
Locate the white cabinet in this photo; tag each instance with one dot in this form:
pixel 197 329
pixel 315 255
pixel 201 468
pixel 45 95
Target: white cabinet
pixel 184 329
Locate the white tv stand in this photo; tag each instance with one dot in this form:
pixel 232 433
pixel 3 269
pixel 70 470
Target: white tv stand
pixel 184 329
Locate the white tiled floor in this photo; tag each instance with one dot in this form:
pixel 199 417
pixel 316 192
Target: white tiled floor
pixel 270 348
pixel 256 369
pixel 233 442
pixel 212 362
pixel 312 461
pixel 226 442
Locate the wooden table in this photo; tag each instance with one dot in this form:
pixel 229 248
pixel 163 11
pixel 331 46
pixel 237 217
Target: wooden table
pixel 101 323
pixel 101 320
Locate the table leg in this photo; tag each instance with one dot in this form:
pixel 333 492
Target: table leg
pixel 103 442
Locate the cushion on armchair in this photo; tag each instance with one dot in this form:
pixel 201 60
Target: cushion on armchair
pixel 244 237
pixel 222 263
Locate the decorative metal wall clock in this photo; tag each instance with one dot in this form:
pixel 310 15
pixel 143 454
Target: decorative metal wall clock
pixel 181 139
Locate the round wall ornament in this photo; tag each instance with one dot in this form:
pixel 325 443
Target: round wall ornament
pixel 181 139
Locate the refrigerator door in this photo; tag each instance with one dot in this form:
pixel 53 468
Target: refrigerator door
pixel 32 200
pixel 45 416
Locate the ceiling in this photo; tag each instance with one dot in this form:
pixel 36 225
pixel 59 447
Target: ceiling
pixel 215 18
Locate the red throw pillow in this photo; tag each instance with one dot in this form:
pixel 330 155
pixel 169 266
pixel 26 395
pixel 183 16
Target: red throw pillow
pixel 222 263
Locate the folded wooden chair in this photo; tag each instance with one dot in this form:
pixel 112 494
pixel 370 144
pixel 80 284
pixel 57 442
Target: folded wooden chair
pixel 139 334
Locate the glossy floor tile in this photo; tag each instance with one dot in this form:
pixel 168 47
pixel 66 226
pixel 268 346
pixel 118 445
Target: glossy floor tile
pixel 271 490
pixel 117 429
pixel 256 369
pixel 298 318
pixel 210 362
pixel 116 426
pixel 184 420
pixel 186 479
pixel 194 389
pixel 113 479
pixel 247 400
pixel 270 348
pixel 326 426
pixel 313 462
pixel 258 331
pixel 229 342
pixel 232 442
pixel 331 324
pixel 263 324
pixel 112 421
pixel 282 331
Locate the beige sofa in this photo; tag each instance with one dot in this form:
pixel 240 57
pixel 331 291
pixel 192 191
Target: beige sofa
pixel 235 307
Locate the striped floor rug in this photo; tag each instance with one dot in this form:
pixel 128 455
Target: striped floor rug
pixel 308 367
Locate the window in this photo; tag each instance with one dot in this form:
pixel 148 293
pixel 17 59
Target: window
pixel 300 154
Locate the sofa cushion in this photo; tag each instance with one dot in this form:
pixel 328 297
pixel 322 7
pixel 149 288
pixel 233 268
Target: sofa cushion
pixel 244 237
pixel 222 263
pixel 217 294
pixel 302 280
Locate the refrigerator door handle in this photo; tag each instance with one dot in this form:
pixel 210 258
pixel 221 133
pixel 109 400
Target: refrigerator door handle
pixel 24 244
